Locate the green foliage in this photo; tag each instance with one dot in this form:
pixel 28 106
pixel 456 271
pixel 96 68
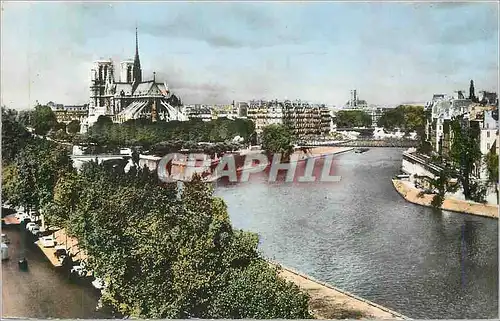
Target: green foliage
pixel 352 118
pixel 257 292
pixel 174 257
pixel 39 164
pixel 442 184
pixel 43 120
pixel 165 252
pixel 478 191
pixel 25 118
pixel 407 118
pixel 73 127
pixel 465 153
pixel 424 147
pixel 277 139
pixel 59 127
pixel 61 135
pixel 14 135
pixel 11 188
pixel 491 160
pixel 147 133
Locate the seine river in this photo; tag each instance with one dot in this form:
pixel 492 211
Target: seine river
pixel 357 234
pixel 360 235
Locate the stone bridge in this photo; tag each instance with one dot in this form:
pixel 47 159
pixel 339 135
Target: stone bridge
pixel 364 143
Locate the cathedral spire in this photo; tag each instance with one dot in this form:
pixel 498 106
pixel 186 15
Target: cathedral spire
pixel 137 72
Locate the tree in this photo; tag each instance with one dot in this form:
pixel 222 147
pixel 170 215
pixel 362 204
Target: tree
pixel 491 161
pixel 25 118
pixel 66 191
pixel 465 153
pixel 40 164
pixel 352 118
pixel 442 184
pixel 14 136
pixel 407 118
pixel 171 255
pixel 11 188
pixel 277 139
pixel 73 126
pixel 43 119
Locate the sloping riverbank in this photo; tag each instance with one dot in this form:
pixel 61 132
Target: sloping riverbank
pixel 328 302
pixel 411 194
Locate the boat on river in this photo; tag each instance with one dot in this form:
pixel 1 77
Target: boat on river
pixel 361 150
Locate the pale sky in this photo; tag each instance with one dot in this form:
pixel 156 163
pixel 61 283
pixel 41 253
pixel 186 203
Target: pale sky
pixel 221 51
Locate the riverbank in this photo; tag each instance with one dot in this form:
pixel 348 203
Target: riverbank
pixel 328 302
pixel 411 194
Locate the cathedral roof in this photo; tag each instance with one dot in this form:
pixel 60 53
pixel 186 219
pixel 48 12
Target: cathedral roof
pixel 126 87
pixel 151 87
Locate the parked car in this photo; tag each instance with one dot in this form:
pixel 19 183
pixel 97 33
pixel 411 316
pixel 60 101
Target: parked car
pixel 30 226
pixel 99 284
pixel 5 252
pixel 48 241
pixel 78 270
pixel 20 215
pixel 5 239
pixel 35 230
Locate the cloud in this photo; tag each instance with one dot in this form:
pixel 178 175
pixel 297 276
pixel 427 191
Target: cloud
pixel 225 25
pixel 217 52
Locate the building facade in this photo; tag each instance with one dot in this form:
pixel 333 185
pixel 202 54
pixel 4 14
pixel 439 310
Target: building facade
pixel 305 120
pixel 130 97
pixel 65 114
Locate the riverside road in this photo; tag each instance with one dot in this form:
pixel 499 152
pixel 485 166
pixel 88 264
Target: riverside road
pixel 357 234
pixel 360 235
pixel 42 291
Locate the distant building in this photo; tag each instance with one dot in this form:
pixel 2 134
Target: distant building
pixel 489 98
pixel 131 97
pixel 199 111
pixel 304 119
pixel 354 102
pixel 65 114
pixel 443 110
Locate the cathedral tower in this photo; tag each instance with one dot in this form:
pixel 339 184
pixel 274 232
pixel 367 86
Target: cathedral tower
pixel 137 72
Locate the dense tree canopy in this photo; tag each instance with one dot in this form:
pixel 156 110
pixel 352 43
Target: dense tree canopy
pixel 277 139
pixel 407 118
pixel 14 135
pixel 466 155
pixel 165 252
pixel 491 160
pixel 142 132
pixel 43 120
pixel 73 127
pixel 352 118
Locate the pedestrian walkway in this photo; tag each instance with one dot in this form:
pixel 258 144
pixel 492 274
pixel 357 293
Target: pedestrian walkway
pixel 328 302
pixel 50 253
pixel 70 243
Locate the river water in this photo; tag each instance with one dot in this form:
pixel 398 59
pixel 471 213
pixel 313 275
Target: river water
pixel 357 234
pixel 360 235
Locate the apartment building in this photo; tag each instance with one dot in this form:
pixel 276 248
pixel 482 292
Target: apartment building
pixel 65 114
pixel 304 119
pixel 198 111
